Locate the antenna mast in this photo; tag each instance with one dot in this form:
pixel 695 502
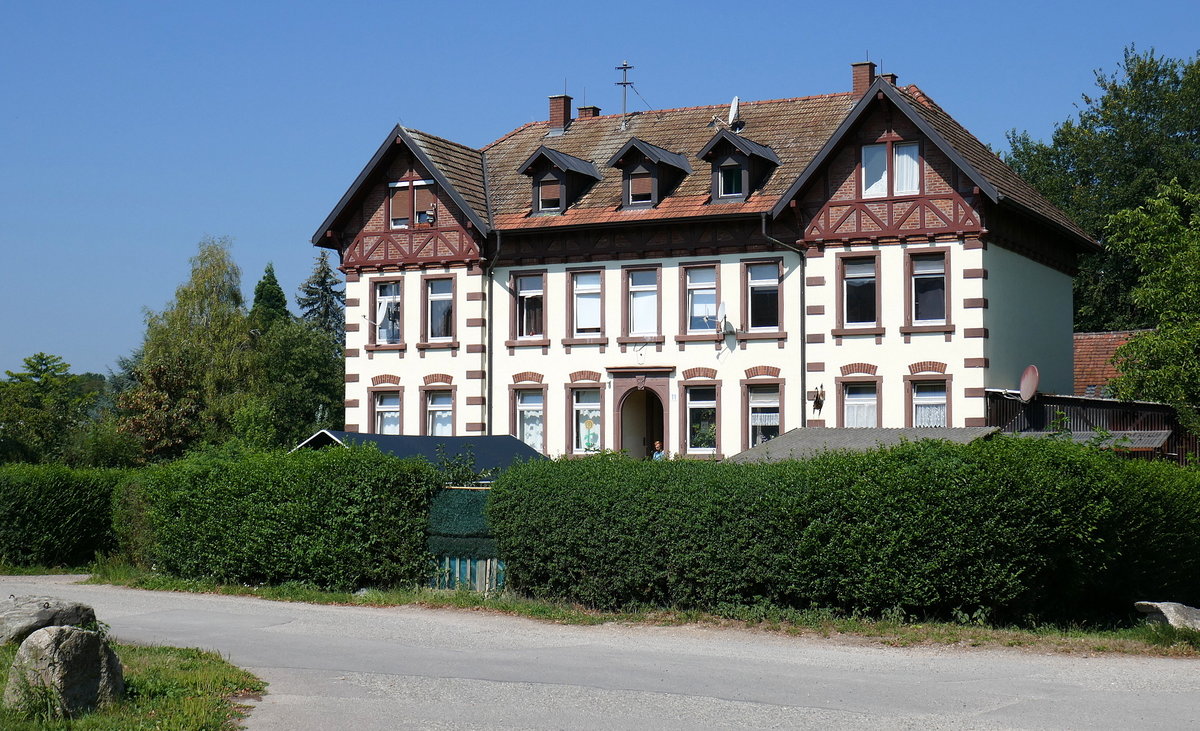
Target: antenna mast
pixel 624 83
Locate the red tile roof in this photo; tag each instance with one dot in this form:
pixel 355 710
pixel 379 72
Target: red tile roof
pixel 1093 360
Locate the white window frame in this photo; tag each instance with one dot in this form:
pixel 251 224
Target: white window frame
pixel 633 291
pixel 521 304
pixel 846 278
pixel 413 184
pixel 432 411
pixel 540 200
pixel 382 411
pixel 917 276
pixel 578 444
pixel 896 166
pixel 849 400
pixel 695 289
pixel 724 192
pixel 523 409
pixel 918 400
pixel 879 188
pixel 771 282
pixel 430 298
pixel 589 291
pixel 693 405
pixel 385 305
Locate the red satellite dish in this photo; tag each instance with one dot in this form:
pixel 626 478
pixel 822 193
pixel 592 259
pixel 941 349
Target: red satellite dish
pixel 1029 383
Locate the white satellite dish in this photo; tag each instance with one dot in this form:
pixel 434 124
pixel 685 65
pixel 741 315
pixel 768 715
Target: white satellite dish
pixel 1029 383
pixel 721 311
pixel 733 112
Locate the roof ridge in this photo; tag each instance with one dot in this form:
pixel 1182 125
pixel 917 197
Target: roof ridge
pixel 441 139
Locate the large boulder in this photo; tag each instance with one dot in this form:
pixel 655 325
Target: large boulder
pixel 64 670
pixel 21 616
pixel 1172 613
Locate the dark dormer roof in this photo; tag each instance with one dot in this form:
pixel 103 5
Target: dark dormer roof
pixel 457 169
pixel 562 161
pixel 747 147
pixel 653 153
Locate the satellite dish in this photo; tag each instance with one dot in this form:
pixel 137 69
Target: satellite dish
pixel 1029 383
pixel 721 311
pixel 733 112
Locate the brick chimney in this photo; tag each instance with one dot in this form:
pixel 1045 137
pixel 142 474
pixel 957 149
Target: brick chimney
pixel 589 112
pixel 890 78
pixel 863 74
pixel 560 113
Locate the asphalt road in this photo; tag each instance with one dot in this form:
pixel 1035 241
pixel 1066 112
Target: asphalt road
pixel 362 668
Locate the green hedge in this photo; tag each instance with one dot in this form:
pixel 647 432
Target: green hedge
pixel 1018 529
pixel 457 526
pixel 54 516
pixel 336 518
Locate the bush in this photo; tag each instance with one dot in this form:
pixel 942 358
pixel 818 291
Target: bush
pixel 336 518
pixel 54 516
pixel 1010 529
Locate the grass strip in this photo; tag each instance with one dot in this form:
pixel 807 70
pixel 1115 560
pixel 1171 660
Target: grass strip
pixel 167 688
pixel 1139 639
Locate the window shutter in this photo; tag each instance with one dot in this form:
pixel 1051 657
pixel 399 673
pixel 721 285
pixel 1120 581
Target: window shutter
pixel 640 184
pixel 402 202
pixel 425 198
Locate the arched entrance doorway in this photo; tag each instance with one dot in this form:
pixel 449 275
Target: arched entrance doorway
pixel 641 422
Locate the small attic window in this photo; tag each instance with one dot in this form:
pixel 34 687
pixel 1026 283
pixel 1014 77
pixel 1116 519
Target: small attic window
pixel 411 200
pixel 731 181
pixel 549 194
pixel 641 188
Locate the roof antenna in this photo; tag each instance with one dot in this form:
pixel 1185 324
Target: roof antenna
pixel 624 83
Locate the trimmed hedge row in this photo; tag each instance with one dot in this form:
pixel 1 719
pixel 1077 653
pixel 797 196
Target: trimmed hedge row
pixel 54 516
pixel 1019 529
pixel 336 518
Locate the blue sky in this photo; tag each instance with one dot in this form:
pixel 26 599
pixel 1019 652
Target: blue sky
pixel 130 130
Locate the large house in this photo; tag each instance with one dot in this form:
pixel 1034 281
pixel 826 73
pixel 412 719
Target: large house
pixel 707 276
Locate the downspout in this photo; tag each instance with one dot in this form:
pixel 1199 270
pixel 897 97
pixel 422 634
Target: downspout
pixel 491 331
pixel 803 319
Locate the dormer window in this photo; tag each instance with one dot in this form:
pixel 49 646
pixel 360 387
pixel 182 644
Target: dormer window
pixel 411 201
pixel 739 165
pixel 558 179
pixel 641 188
pixel 731 181
pixel 649 173
pixel 549 194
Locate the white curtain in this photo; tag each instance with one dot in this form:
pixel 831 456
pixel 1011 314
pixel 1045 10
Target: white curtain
pixel 874 171
pixel 643 313
pixel 908 168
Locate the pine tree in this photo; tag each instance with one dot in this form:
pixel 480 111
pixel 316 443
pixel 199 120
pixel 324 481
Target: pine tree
pixel 270 303
pixel 321 302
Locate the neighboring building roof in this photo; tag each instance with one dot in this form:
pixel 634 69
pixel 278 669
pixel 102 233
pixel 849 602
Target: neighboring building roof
pixel 808 442
pixel 489 453
pixel 1135 441
pixel 1093 360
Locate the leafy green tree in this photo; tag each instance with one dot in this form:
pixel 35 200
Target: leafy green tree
pixel 41 405
pixel 322 302
pixel 270 303
pixel 194 361
pixel 1140 131
pixel 1163 239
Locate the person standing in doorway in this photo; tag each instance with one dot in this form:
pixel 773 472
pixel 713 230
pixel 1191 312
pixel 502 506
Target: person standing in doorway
pixel 658 451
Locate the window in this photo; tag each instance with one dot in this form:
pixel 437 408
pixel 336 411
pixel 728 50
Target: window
pixel 731 181
pixel 763 403
pixel 929 289
pixel 440 306
pixel 387 412
pixel 762 296
pixel 439 413
pixel 387 313
pixel 586 286
pixel 586 407
pixel 906 169
pixel 860 405
pixel 701 299
pixel 549 193
pixel 929 403
pixel 643 301
pixel 531 410
pixel 531 316
pixel 859 289
pixel 412 200
pixel 641 187
pixel 701 418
